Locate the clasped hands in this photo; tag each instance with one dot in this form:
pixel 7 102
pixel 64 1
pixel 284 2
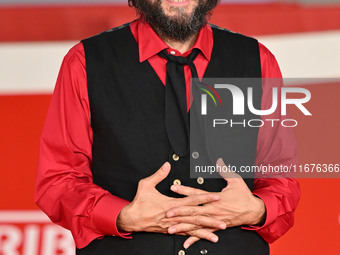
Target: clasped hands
pixel 197 215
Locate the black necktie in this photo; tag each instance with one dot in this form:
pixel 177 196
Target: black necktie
pixel 176 116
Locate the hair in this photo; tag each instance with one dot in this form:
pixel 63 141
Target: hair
pixel 179 28
pixel 132 3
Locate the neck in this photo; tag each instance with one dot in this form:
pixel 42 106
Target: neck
pixel 179 45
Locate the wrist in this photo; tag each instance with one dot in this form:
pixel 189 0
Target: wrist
pixel 124 220
pixel 259 212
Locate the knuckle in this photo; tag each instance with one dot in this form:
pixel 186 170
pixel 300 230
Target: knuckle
pixel 142 182
pixel 198 227
pixel 195 200
pixel 159 174
pixel 198 221
pixel 229 222
pixel 164 225
pixel 193 211
pixel 155 177
pixel 193 232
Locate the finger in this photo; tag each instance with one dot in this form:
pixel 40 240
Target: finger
pixel 159 175
pixel 202 221
pixel 190 241
pixel 189 211
pixel 195 200
pixel 193 239
pixel 182 228
pixel 187 191
pixel 201 233
pixel 225 172
pixel 204 234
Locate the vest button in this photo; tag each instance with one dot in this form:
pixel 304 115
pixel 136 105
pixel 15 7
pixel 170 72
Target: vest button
pixel 175 157
pixel 204 251
pixel 200 180
pixel 177 182
pixel 195 155
pixel 181 252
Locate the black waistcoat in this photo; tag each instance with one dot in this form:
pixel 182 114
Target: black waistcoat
pixel 130 141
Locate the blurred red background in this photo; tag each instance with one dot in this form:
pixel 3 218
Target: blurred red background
pixel 317 228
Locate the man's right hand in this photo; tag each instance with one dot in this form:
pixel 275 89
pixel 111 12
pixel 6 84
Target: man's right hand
pixel 147 211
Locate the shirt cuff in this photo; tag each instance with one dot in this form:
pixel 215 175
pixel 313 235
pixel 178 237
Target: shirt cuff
pixel 270 201
pixel 106 213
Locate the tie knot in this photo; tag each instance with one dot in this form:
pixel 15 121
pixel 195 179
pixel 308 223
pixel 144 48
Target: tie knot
pixel 178 59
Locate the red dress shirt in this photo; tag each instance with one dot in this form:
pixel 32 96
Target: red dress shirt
pixel 64 188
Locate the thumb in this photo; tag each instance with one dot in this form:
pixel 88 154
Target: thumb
pixel 225 172
pixel 159 175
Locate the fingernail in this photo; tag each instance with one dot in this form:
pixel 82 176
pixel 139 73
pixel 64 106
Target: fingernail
pixel 171 230
pixel 186 246
pixel 170 214
pixel 222 226
pixel 215 239
pixel 174 188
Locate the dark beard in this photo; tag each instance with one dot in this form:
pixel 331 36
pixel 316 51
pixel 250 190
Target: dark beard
pixel 180 27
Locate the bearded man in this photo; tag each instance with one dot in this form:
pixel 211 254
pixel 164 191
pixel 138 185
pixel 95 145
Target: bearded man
pixel 116 117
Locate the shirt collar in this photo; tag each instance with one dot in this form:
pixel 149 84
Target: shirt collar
pixel 150 44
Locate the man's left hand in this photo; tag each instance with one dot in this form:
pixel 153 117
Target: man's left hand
pixel 237 206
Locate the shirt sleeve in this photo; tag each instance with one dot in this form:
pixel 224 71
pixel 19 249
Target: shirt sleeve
pixel 277 145
pixel 64 187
